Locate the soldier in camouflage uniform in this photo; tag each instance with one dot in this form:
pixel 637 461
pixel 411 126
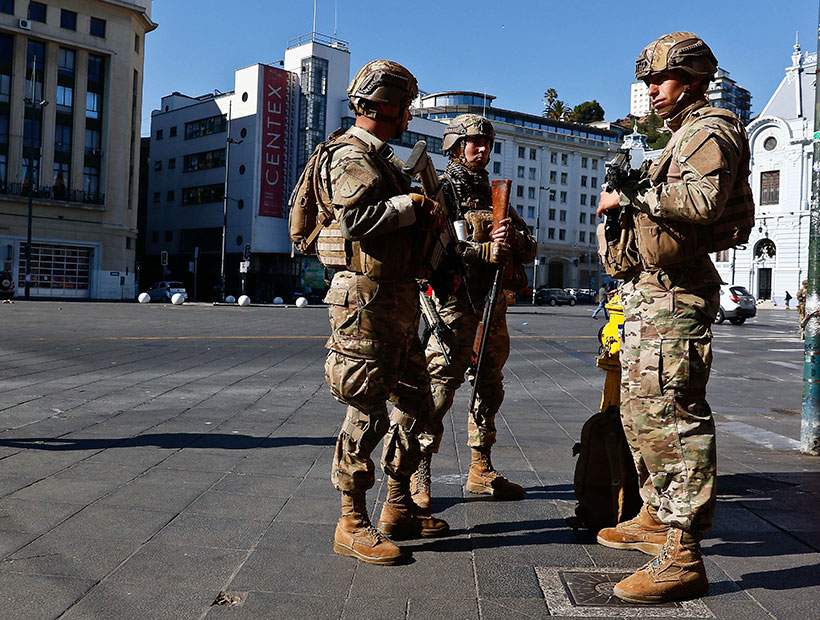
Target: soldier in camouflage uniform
pixel 375 352
pixel 469 140
pixel 801 303
pixel 666 353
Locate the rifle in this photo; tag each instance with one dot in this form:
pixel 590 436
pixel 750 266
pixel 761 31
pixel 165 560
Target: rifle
pixel 618 172
pixel 433 323
pixel 501 204
pixel 420 165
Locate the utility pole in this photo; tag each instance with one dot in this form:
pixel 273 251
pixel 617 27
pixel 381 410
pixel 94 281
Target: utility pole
pixel 810 426
pixel 31 105
pixel 225 200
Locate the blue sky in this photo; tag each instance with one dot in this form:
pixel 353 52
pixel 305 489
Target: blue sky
pixel 514 50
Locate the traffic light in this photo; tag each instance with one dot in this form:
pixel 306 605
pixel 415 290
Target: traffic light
pixel 163 258
pixel 246 252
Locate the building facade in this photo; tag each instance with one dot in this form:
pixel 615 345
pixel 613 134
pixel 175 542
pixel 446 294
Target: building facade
pixel 71 75
pixel 776 258
pixel 557 169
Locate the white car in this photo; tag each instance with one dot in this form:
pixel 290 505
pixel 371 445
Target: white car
pixel 165 290
pixel 736 304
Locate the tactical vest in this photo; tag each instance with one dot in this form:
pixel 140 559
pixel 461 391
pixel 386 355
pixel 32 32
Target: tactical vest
pixel 383 258
pixel 664 243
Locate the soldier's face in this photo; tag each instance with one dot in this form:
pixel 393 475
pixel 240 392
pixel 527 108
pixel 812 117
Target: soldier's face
pixel 477 150
pixel 665 90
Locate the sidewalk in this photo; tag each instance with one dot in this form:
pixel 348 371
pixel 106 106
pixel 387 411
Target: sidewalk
pixel 152 457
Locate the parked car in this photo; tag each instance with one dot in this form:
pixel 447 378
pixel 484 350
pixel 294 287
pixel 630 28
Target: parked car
pixel 7 286
pixel 736 304
pixel 553 297
pixel 163 291
pixel 584 295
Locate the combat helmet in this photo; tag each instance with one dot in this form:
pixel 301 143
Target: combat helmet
pixel 682 51
pixel 466 126
pixel 380 81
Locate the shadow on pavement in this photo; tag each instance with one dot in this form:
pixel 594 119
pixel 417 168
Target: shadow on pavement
pixel 166 440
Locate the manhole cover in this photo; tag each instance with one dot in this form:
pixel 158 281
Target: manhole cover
pixel 575 592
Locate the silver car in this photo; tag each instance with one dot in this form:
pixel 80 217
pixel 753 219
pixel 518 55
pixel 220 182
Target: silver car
pixel 736 304
pixel 165 290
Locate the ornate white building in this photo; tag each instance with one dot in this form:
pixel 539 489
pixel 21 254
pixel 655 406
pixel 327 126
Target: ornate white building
pixel 775 259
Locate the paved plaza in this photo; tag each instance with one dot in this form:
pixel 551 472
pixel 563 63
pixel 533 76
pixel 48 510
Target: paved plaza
pixel 173 462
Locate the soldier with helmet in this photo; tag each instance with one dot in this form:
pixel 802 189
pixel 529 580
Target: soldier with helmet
pixel 680 206
pixel 375 353
pixel 468 140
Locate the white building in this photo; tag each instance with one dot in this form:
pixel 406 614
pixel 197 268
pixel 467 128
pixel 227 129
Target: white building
pixel 639 105
pixel 775 259
pixel 557 169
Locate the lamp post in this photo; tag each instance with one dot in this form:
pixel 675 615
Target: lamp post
pixel 32 105
pixel 541 188
pixel 225 200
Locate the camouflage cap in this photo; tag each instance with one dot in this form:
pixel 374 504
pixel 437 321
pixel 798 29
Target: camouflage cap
pixel 381 81
pixel 465 126
pixel 683 51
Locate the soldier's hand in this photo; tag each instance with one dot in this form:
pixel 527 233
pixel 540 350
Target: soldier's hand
pixel 502 232
pixel 607 201
pixel 428 212
pixel 495 252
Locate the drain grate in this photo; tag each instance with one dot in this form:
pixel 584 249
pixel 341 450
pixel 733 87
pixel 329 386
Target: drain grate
pixel 587 593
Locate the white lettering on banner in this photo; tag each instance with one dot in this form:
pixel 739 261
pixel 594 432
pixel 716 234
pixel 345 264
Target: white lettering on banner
pixel 274 113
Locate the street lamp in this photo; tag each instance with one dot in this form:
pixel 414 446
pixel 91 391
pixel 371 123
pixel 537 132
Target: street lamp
pixel 32 105
pixel 541 188
pixel 225 200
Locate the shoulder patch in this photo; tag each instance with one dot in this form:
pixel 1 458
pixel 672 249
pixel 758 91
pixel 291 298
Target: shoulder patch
pixel 351 182
pixel 703 154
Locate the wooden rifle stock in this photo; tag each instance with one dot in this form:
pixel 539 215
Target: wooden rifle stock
pixel 501 204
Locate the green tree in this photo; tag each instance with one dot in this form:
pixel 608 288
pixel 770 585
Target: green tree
pixel 588 112
pixel 650 127
pixel 554 108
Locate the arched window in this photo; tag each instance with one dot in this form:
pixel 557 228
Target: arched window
pixel 765 248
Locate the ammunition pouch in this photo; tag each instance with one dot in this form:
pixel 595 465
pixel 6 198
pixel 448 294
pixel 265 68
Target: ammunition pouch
pixel 663 243
pixel 620 257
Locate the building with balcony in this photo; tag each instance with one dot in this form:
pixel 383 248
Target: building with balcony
pixel 71 75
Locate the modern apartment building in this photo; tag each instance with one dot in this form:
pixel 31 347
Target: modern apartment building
pixel 71 75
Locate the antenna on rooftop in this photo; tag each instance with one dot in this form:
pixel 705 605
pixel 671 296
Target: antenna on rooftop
pixel 314 16
pixel 335 16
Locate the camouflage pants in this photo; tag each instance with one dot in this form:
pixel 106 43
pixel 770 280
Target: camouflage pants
pixel 376 356
pixel 446 379
pixel 666 356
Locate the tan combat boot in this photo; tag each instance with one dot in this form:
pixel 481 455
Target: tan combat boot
pixel 356 536
pixel 401 518
pixel 420 484
pixel 485 480
pixel 676 574
pixel 645 532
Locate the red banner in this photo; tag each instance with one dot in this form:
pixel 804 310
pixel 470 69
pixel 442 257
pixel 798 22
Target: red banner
pixel 274 126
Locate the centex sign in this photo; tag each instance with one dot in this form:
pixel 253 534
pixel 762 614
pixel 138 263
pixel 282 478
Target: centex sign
pixel 274 126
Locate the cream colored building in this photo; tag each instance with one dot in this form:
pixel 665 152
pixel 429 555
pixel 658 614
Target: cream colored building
pixel 81 131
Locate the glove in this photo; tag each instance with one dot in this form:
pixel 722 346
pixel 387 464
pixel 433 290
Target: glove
pixel 494 252
pixel 428 212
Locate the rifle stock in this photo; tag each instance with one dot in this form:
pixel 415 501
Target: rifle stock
pixel 501 204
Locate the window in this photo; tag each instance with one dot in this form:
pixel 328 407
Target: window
pixel 564 159
pixel 4 127
pixel 37 12
pixel 32 132
pixel 532 174
pixel 68 19
pixel 35 170
pixel 520 172
pixel 584 162
pixel 497 148
pixel 519 191
pixel 770 143
pixel 521 152
pixel 496 167
pixel 520 209
pixel 583 219
pixel 204 161
pixel 172 163
pixel 562 216
pixel 172 132
pixel 532 154
pixel 563 197
pixel 5 87
pixel 530 212
pixel 95 68
pixel 92 142
pixel 722 256
pixel 62 177
pixel 65 95
pixel 551 233
pixel 593 201
pixel 531 193
pixel 62 138
pixel 594 164
pixel 158 165
pixel 91 180
pixel 7 6
pixel 157 196
pixel 553 176
pixel 562 235
pixel 92 105
pixel 203 194
pixel 97 27
pixel 552 194
pixel 770 187
pixel 563 178
pixel 583 181
pixel 206 126
pixel 583 199
pixel 137 43
pixel 594 181
pixel 169 197
pixel 582 236
pixel 65 62
pixel 552 214
pixel 169 235
pixel 159 134
pixel 553 158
